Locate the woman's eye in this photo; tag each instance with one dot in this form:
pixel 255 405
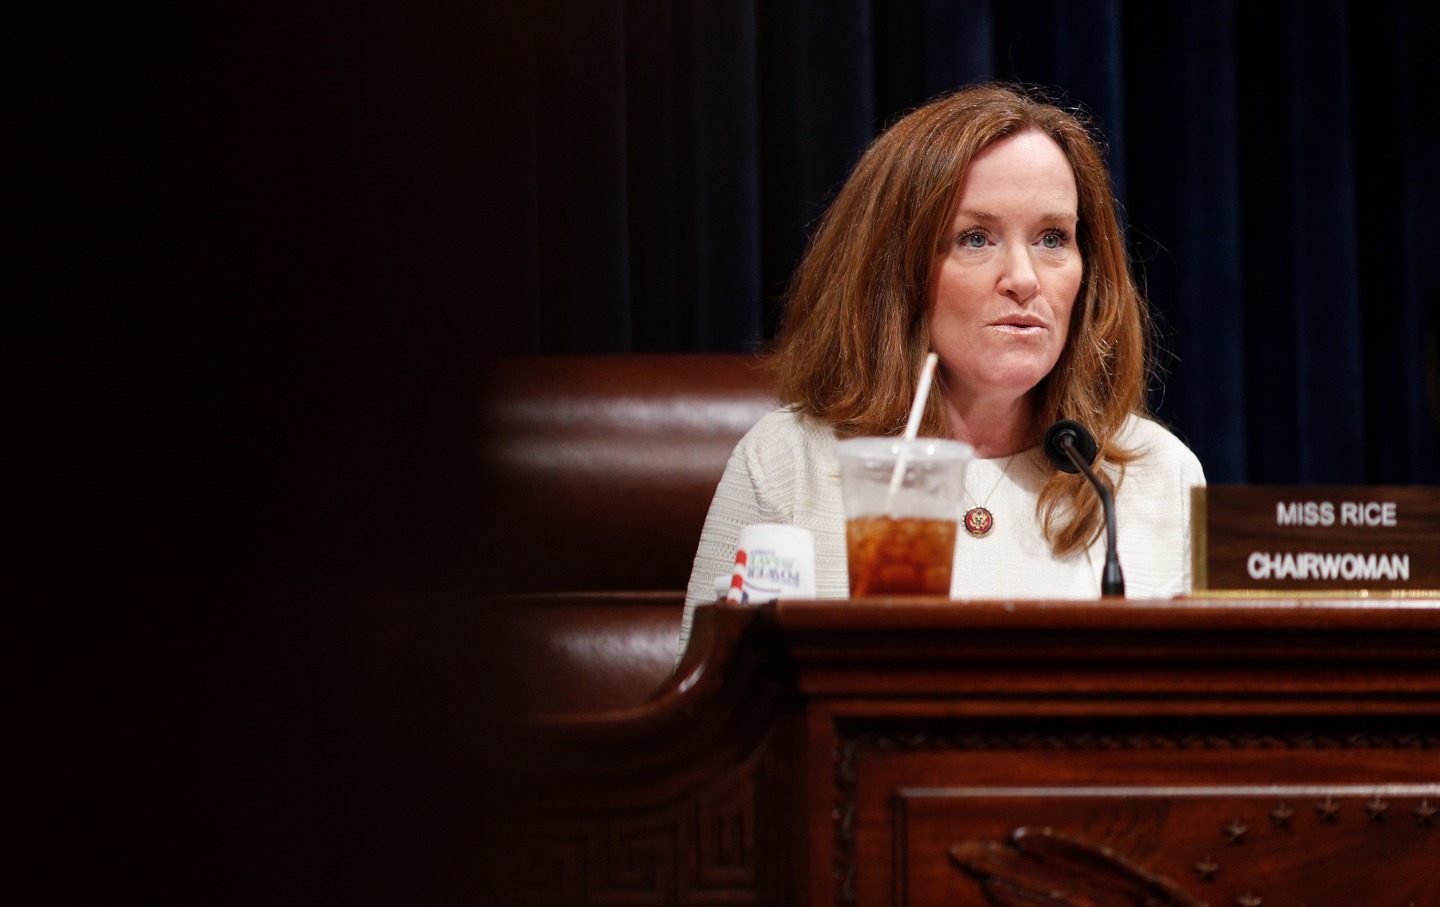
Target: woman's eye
pixel 1053 240
pixel 972 240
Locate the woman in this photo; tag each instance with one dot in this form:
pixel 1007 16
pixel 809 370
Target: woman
pixel 981 226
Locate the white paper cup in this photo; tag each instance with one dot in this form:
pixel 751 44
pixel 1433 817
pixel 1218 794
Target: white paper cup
pixel 773 561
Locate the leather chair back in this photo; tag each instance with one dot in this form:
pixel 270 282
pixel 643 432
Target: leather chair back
pixel 599 470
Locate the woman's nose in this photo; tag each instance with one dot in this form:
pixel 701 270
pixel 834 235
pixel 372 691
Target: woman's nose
pixel 1017 278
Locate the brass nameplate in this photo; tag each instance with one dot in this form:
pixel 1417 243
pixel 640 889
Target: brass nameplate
pixel 1315 538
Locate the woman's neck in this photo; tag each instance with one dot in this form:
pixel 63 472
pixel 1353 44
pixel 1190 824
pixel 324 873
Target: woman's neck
pixel 995 428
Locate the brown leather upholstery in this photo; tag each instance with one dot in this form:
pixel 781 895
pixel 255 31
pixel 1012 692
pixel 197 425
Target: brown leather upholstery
pixel 587 653
pixel 599 471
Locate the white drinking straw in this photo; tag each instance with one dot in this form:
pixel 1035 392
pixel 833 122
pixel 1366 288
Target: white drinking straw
pixel 912 425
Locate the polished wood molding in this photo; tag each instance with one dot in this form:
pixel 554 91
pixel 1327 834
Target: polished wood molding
pixel 928 752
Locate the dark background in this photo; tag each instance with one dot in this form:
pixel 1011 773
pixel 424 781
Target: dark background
pixel 249 274
pixel 254 253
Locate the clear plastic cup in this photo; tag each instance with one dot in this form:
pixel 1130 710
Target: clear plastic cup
pixel 900 525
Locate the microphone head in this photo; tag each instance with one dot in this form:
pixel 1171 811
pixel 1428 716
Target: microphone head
pixel 1080 437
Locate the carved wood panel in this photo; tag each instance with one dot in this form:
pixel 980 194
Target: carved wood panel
pixel 1213 811
pixel 1216 845
pixel 715 847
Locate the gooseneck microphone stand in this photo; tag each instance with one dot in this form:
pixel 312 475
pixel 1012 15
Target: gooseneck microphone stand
pixel 1072 448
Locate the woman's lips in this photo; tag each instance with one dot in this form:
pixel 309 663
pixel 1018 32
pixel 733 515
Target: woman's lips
pixel 1020 326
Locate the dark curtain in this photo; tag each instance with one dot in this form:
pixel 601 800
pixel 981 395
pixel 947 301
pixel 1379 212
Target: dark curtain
pixel 1275 162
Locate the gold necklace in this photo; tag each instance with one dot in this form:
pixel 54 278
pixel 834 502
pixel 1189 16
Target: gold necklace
pixel 978 519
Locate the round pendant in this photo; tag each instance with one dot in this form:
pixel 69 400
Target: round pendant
pixel 979 522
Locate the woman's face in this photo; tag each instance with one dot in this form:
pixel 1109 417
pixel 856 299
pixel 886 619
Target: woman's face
pixel 1008 274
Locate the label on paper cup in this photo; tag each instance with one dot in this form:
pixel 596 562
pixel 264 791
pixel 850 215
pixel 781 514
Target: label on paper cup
pixel 773 561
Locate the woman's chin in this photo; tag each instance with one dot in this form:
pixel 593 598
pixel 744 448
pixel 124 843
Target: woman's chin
pixel 1015 381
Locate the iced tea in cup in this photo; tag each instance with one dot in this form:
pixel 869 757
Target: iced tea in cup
pixel 900 521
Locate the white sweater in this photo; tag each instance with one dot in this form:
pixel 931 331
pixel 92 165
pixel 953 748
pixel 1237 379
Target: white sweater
pixel 784 471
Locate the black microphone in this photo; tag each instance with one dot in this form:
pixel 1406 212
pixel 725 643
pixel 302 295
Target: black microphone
pixel 1072 449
